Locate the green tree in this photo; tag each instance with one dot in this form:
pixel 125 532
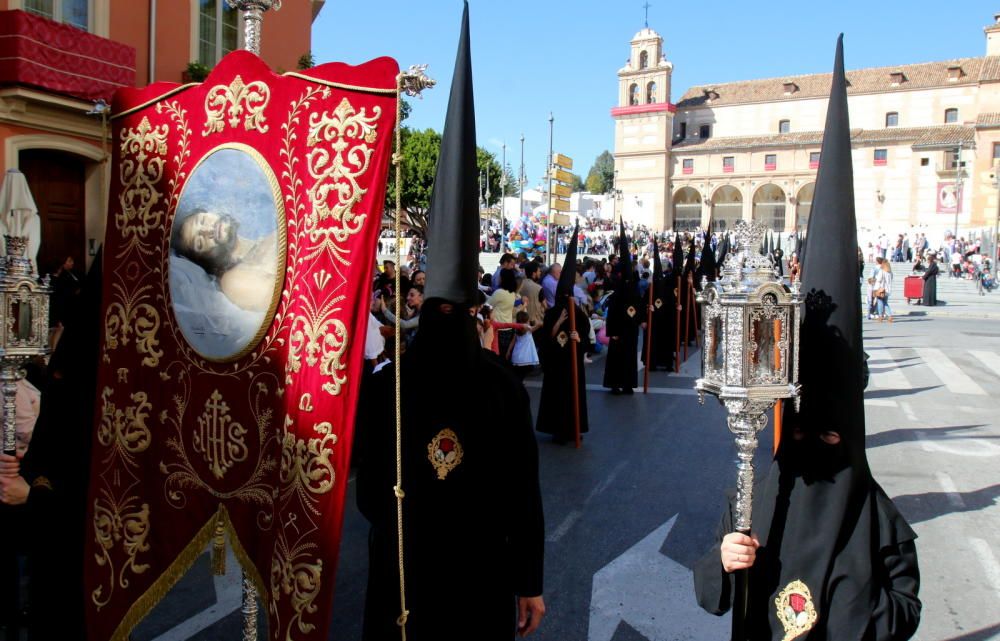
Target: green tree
pixel 420 155
pixel 601 177
pixel 577 184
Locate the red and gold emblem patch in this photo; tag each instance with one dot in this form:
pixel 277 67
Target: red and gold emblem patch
pixel 631 311
pixel 658 303
pixel 795 610
pixel 562 339
pixel 444 452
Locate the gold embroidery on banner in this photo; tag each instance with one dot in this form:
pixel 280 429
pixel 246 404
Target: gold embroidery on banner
pixel 179 115
pixel 336 170
pixel 306 466
pixel 181 474
pixel 219 439
pixel 305 402
pixel 124 430
pixel 238 96
pixel 125 524
pixel 296 573
pixel 141 168
pixel 794 608
pixel 131 314
pixel 318 338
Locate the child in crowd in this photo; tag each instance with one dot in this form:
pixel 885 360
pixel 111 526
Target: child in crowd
pixel 523 353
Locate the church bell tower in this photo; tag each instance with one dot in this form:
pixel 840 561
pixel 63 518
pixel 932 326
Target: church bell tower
pixel 643 129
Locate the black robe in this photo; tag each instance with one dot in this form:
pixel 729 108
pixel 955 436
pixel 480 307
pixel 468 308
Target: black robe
pixel 779 260
pixel 930 285
pixel 893 614
pixel 621 369
pixel 474 534
pixel 664 330
pixel 555 410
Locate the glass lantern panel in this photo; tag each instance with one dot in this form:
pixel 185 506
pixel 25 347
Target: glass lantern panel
pixel 717 351
pixel 21 315
pixel 764 351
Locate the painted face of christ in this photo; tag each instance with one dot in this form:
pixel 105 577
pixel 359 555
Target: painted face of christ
pixel 208 239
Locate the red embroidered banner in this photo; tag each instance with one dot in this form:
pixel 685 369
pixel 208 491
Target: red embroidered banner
pixel 241 234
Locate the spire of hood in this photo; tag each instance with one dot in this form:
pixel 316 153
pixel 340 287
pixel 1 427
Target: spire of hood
pixel 567 279
pixel 453 215
pixel 624 251
pixel 707 267
pixel 831 350
pixel 657 265
pixel 678 257
pixel 723 249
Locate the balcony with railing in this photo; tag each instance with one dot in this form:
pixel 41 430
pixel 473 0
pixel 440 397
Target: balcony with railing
pixel 51 56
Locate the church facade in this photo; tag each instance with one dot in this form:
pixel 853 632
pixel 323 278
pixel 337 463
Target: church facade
pixel 925 138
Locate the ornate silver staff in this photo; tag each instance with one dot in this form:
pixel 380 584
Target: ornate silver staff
pixel 749 361
pixel 253 18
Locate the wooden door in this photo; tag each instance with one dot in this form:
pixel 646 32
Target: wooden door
pixel 58 184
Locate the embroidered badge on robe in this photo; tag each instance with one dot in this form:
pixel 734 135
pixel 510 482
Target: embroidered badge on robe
pixel 562 339
pixel 658 303
pixel 631 311
pixel 795 609
pixel 444 452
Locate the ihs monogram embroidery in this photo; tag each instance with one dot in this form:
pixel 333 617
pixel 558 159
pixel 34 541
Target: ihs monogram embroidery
pixel 795 609
pixel 444 452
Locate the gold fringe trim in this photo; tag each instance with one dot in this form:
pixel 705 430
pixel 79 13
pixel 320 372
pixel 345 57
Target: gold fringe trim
pixel 219 549
pixel 176 570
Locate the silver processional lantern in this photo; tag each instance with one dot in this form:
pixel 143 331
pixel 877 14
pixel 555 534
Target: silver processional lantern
pixel 24 325
pixel 750 356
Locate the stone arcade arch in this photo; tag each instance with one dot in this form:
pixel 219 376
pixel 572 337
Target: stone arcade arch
pixel 803 206
pixel 727 208
pixel 687 209
pixel 769 207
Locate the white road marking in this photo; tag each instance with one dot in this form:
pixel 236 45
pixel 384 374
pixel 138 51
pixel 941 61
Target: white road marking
pixel 652 593
pixel 988 561
pixel 228 598
pixel 989 359
pixel 885 372
pixel 908 411
pixel 565 526
pixel 971 447
pixel 950 490
pixel 881 402
pixel 957 381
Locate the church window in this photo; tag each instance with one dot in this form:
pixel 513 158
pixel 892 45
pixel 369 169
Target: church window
pixel 643 60
pixel 684 130
pixel 892 119
pixel 881 157
pixel 950 115
pixel 996 151
pixel 729 164
pixel 688 167
pixel 651 93
pixel 218 31
pixel 705 131
pixel 633 95
pixel 784 126
pixel 770 162
pixel 72 12
pixel 813 160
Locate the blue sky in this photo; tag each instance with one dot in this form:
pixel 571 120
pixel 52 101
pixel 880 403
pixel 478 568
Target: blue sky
pixel 533 57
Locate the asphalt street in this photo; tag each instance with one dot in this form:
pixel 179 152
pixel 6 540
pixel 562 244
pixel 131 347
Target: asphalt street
pixel 628 513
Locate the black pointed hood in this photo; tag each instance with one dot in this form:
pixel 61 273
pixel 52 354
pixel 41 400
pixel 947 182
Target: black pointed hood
pixel 657 265
pixel 624 253
pixel 567 279
pixel 707 267
pixel 689 265
pixel 723 249
pixel 820 516
pixel 678 256
pixel 453 215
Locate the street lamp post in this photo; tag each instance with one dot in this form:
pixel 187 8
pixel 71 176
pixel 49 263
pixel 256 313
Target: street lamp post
pixel 958 189
pixel 503 196
pixel 550 245
pixel 520 183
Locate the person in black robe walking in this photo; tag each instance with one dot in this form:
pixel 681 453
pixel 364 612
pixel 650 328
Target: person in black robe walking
pixel 663 331
pixel 831 558
pixel 473 533
pixel 555 409
pixel 621 367
pixel 930 282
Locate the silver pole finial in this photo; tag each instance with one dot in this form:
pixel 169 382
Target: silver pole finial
pixel 253 16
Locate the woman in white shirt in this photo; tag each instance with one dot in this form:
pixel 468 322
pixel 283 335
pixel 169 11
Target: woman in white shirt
pixel 883 289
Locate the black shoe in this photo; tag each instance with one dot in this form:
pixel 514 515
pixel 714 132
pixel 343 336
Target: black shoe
pixel 615 391
pixel 628 391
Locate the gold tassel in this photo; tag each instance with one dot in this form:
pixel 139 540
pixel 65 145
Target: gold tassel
pixel 219 548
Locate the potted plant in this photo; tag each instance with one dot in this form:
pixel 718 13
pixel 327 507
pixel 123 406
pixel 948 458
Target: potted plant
pixel 195 72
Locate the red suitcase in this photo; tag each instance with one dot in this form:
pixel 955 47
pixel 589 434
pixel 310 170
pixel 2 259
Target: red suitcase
pixel 913 288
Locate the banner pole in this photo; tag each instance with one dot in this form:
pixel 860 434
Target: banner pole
pixel 649 336
pixel 575 372
pixel 677 324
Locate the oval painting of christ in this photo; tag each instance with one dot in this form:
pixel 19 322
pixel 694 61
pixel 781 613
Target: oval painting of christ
pixel 227 253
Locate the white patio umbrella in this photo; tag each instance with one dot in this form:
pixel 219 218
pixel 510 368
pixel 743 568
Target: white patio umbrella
pixel 19 214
